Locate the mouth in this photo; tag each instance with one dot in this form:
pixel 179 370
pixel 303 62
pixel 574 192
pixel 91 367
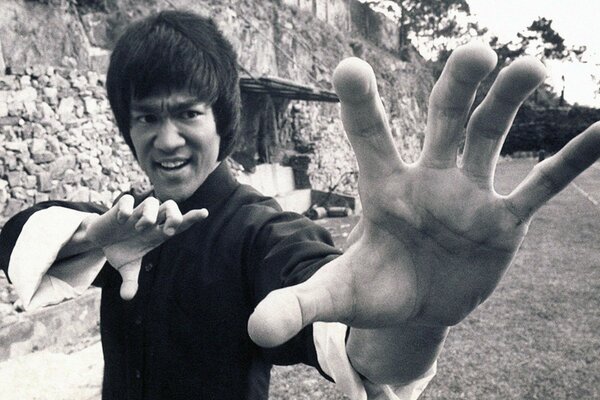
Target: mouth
pixel 172 165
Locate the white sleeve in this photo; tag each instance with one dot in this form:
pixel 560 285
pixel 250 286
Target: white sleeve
pixel 330 343
pixel 36 277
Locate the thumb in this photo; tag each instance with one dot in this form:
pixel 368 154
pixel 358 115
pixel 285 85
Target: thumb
pixel 284 312
pixel 130 272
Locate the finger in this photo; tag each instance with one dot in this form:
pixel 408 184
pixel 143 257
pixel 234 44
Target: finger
pixel 451 100
pixel 192 217
pixel 124 208
pixel 129 273
pixel 284 312
pixel 169 217
pixel 551 175
pixel 364 118
pixel 147 212
pixel 492 119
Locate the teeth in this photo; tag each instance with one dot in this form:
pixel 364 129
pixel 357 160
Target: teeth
pixel 172 164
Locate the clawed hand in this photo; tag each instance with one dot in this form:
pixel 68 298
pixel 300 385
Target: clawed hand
pixel 435 238
pixel 125 233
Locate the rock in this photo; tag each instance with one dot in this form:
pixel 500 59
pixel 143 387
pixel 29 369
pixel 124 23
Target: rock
pixel 91 105
pixel 30 109
pixel 31 168
pixel 38 130
pixel 19 193
pixel 9 120
pixel 40 197
pixel 54 145
pixel 25 81
pixel 65 109
pixel 92 78
pixel 44 181
pixel 61 82
pixel 37 145
pixel 13 206
pixel 43 157
pixel 9 83
pixel 10 161
pixel 15 178
pixel 30 182
pixel 3 109
pixel 61 164
pixel 70 176
pixel 47 111
pixel 19 147
pixel 27 94
pixel 81 194
pixel 38 71
pixel 50 92
pixel 59 192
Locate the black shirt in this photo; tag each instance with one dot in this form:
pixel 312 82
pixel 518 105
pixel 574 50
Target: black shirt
pixel 184 335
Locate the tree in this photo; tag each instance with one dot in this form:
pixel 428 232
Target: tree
pixel 541 40
pixel 428 19
pixel 423 20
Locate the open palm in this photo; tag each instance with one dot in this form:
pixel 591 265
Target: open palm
pixel 435 238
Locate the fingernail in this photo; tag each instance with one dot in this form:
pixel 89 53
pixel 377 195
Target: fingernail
pixel 170 231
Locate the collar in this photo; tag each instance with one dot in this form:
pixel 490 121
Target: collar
pixel 217 187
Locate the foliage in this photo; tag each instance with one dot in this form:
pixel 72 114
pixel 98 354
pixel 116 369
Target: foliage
pixel 548 128
pixel 427 20
pixel 541 40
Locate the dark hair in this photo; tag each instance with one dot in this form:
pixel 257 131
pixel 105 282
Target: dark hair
pixel 176 50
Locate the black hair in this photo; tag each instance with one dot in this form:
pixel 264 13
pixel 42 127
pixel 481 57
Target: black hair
pixel 176 50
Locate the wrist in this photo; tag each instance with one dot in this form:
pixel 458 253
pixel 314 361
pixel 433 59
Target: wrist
pixel 396 355
pixel 79 242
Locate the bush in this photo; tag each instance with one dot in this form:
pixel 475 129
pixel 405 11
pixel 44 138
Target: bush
pixel 547 129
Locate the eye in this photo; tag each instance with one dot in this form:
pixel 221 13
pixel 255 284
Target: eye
pixel 146 118
pixel 190 114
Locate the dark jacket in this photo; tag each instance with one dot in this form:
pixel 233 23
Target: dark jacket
pixel 184 335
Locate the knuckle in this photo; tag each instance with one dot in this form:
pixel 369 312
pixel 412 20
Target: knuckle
pixel 545 176
pixel 150 201
pixel 125 200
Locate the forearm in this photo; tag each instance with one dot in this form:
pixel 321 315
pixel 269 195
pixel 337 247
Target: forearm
pixel 397 355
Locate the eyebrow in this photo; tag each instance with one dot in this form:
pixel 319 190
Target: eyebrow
pixel 151 106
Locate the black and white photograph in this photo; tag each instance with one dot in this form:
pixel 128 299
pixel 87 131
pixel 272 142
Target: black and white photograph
pixel 299 199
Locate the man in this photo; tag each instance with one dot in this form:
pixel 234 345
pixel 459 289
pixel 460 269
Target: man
pixel 189 265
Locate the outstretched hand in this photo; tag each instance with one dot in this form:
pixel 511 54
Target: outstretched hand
pixel 435 238
pixel 126 233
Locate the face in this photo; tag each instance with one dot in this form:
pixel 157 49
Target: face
pixel 176 142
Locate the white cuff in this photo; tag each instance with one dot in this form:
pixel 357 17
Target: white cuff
pixel 37 279
pixel 330 342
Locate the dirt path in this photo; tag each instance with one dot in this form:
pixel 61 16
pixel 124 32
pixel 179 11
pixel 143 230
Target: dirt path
pixel 46 375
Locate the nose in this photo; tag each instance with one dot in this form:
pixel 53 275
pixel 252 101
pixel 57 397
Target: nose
pixel 168 137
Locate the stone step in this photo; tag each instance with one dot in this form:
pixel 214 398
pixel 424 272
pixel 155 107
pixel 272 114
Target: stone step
pixel 32 331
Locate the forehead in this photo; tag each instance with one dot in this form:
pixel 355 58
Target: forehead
pixel 166 101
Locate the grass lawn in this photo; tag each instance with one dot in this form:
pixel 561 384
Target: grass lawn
pixel 538 336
